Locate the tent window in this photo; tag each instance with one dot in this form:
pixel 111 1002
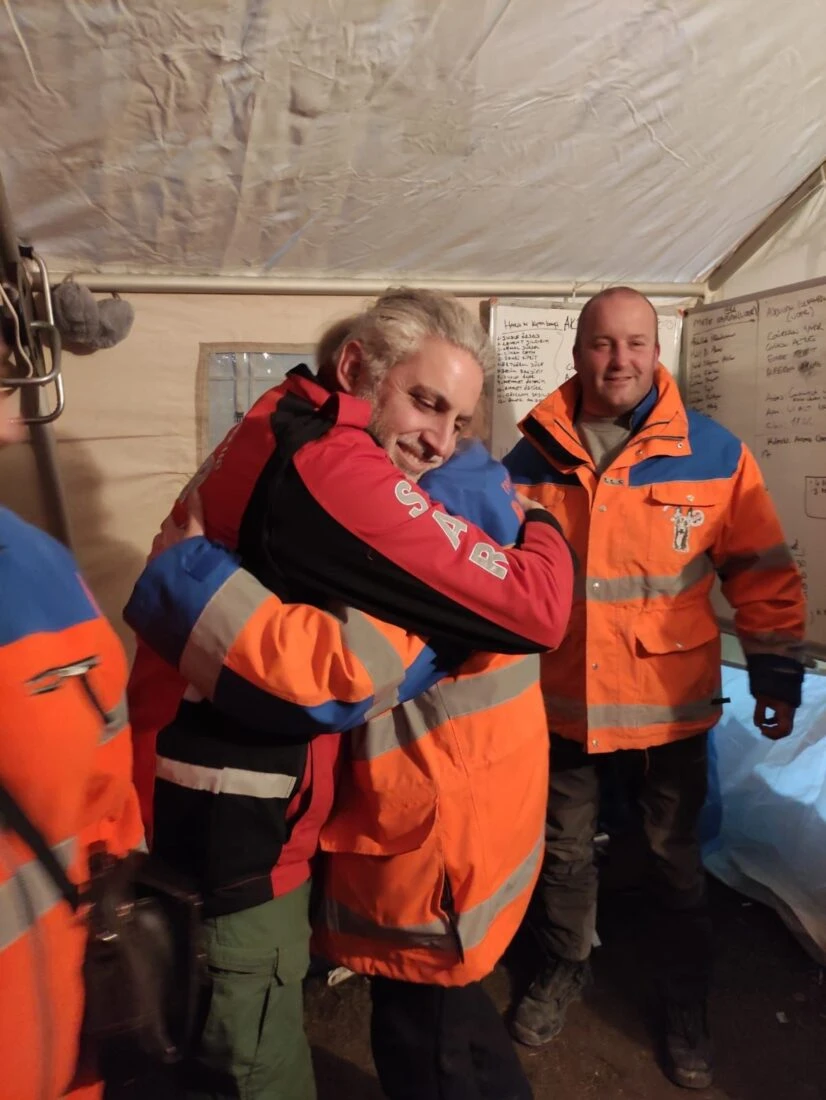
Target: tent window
pixel 231 378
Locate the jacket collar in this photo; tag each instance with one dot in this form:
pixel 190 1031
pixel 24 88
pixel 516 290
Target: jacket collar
pixel 340 408
pixel 659 424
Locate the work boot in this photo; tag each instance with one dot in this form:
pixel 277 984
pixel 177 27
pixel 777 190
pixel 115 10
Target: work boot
pixel 688 1057
pixel 540 1015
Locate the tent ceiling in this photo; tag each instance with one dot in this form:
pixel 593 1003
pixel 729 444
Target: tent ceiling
pixel 594 139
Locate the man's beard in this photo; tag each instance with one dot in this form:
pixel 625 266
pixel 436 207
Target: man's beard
pixel 406 451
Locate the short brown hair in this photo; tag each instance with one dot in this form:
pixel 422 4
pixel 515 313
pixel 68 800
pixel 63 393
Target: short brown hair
pixel 328 347
pixel 611 292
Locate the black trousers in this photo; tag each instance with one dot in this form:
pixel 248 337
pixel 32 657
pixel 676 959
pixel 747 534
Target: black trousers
pixel 436 1043
pixel 670 781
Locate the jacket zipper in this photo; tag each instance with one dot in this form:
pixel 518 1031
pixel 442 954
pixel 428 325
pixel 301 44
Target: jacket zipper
pixel 449 907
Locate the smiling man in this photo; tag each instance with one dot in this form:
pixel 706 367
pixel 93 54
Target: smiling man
pixel 441 799
pixel 654 499
pixel 421 406
pixel 615 356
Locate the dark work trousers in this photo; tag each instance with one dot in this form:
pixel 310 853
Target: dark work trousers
pixel 436 1043
pixel 671 783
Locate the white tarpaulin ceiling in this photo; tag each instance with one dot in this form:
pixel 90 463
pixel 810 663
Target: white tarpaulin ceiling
pixel 598 139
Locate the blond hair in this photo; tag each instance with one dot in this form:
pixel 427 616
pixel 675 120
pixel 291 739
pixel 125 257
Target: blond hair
pixel 394 326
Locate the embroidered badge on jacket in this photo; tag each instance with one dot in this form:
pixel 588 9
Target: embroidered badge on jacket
pixel 683 522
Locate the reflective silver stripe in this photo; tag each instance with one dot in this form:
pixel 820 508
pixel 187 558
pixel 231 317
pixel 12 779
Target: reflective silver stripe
pixel 774 557
pixel 628 715
pixel 475 923
pixel 775 643
pixel 403 725
pixel 29 894
pixel 218 626
pixel 197 777
pixel 410 721
pixel 490 687
pixel 629 589
pixel 437 935
pixel 379 657
pixel 115 722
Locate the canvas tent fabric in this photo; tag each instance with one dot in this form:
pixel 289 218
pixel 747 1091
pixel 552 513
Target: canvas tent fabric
pixel 587 140
pixel 592 139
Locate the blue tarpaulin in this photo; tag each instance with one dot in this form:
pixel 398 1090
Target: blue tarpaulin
pixel 764 825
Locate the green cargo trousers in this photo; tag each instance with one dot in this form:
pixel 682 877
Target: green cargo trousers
pixel 253 1044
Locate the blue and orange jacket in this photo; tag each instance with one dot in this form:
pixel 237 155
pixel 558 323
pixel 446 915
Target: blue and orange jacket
pixel 683 502
pixel 435 840
pixel 386 550
pixel 66 759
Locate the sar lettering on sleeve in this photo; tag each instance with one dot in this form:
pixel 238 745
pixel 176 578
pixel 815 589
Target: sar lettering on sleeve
pixel 407 496
pixel 491 560
pixel 454 528
pixel 481 554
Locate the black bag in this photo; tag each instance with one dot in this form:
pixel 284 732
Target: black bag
pixel 145 965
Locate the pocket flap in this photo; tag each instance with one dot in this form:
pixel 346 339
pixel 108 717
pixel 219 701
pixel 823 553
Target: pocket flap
pixel 689 494
pixel 675 630
pixel 293 962
pixel 389 833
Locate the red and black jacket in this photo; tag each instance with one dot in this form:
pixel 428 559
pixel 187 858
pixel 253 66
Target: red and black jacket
pixel 317 512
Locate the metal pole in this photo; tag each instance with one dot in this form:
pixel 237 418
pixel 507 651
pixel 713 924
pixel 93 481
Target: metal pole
pixel 9 251
pixel 43 440
pixel 466 288
pixel 45 455
pixel 767 229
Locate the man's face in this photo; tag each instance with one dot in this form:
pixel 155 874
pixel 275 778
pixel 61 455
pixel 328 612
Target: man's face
pixel 423 405
pixel 617 355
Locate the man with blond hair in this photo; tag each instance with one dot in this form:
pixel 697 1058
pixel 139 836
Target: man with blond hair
pixel 324 512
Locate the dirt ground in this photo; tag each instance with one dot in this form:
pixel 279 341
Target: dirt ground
pixel 768 1017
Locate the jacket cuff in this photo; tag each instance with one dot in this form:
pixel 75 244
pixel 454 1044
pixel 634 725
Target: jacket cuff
pixel 776 677
pixel 172 592
pixel 539 515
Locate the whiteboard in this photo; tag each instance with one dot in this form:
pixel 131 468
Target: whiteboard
pixel 758 366
pixel 534 343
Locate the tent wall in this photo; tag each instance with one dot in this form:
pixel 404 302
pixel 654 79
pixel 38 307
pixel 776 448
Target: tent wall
pixel 127 439
pixel 126 442
pixel 796 252
pixel 773 794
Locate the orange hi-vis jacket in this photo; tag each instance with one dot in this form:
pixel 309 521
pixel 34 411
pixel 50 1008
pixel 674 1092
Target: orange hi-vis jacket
pixel 451 784
pixel 684 500
pixel 66 760
pixel 384 548
pixel 436 839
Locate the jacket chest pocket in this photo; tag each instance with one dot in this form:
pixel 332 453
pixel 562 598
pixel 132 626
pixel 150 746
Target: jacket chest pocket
pixel 682 521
